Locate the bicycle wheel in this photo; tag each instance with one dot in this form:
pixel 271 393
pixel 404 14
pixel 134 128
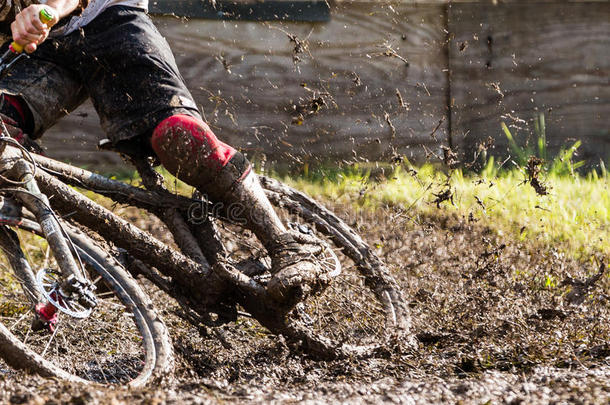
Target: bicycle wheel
pixel 362 308
pixel 122 341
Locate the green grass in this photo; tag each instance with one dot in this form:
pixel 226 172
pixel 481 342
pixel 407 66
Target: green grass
pixel 574 217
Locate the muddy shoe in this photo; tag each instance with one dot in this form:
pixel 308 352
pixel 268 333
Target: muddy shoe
pixel 296 267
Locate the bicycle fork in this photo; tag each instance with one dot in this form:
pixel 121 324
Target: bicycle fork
pixel 72 286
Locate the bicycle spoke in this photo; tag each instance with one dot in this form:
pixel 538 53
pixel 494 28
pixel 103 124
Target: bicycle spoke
pixel 45 263
pixel 95 358
pixel 26 251
pixel 68 304
pixel 106 294
pixel 17 321
pixel 27 334
pixel 109 346
pixel 57 326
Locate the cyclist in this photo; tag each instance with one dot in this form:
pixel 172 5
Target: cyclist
pixel 110 51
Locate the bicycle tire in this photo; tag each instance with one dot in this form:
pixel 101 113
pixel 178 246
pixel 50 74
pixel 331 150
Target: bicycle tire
pixel 144 348
pixel 337 328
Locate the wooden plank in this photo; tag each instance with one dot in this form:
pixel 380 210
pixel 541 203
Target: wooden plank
pixel 437 2
pixel 74 139
pixel 261 96
pixel 252 85
pixel 512 62
pixel 270 10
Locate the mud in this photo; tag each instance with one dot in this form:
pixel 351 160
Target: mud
pixel 497 321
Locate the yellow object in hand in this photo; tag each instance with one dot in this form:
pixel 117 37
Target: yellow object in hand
pixel 46 17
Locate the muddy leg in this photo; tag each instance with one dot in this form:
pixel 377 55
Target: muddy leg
pixel 189 150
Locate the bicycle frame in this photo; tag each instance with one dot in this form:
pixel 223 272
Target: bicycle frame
pixel 200 274
pixel 203 268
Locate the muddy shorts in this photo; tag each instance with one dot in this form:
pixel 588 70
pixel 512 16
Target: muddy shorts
pixel 120 60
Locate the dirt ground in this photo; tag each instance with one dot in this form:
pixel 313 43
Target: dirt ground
pixel 498 322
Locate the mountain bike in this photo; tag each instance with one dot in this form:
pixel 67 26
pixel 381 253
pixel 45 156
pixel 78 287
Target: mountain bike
pixel 215 273
pixel 72 308
pixel 218 272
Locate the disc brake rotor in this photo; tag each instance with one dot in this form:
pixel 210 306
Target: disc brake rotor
pixel 49 284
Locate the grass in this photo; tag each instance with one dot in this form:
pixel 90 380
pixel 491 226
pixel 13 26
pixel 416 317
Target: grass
pixel 543 200
pixel 574 217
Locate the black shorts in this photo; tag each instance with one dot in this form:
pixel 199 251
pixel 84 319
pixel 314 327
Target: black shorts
pixel 120 60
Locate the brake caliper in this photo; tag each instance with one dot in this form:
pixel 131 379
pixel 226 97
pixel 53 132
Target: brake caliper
pixel 83 290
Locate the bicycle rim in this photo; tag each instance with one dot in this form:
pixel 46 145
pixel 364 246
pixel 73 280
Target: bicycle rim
pixel 114 345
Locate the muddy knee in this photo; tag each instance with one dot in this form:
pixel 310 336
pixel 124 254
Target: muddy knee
pixel 188 148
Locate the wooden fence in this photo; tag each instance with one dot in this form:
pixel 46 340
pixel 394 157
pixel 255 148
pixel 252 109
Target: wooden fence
pixel 379 80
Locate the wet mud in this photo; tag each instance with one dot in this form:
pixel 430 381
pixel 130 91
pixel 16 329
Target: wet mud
pixel 497 320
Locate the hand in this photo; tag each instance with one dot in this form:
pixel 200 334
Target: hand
pixel 28 31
